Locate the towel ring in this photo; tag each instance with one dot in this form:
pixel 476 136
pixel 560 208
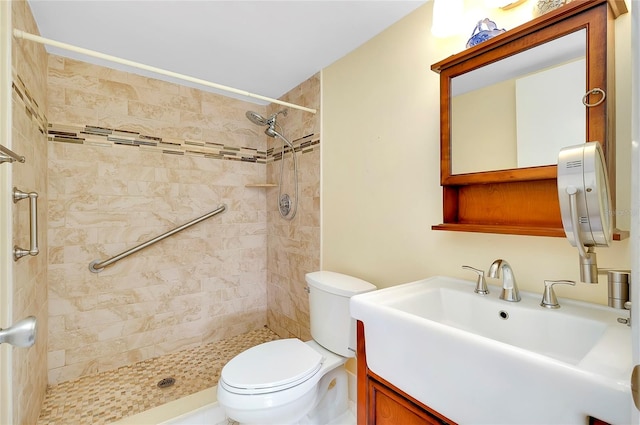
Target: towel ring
pixel 593 91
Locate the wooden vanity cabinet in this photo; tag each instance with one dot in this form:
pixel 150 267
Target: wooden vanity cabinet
pixel 381 403
pixel 388 407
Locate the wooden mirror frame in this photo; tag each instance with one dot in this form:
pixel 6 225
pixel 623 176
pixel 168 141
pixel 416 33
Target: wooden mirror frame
pixel 524 201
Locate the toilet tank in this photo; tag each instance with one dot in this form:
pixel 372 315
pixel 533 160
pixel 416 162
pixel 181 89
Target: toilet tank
pixel 331 322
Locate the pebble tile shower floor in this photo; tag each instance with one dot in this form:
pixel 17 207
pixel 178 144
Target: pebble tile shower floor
pixel 113 395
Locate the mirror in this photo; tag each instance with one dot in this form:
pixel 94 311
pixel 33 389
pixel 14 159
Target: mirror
pixel 520 111
pixel 573 51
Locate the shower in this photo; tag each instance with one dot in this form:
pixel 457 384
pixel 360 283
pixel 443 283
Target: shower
pixel 286 206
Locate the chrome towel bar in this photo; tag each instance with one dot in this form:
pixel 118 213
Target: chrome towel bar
pixel 7 155
pixel 33 224
pixel 97 266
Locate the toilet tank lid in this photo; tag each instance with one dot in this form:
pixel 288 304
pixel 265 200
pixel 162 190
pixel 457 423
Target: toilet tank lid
pixel 338 283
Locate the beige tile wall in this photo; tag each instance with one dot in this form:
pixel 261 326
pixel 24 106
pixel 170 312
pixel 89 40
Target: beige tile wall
pixel 29 273
pixel 294 246
pixel 198 286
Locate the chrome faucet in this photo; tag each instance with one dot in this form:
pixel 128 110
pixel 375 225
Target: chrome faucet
pixel 481 283
pixel 549 299
pixel 509 287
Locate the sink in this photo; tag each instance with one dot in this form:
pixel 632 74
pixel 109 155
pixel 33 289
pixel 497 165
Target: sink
pixel 478 359
pixel 565 335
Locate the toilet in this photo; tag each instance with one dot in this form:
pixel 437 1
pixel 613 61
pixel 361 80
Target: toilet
pixel 289 381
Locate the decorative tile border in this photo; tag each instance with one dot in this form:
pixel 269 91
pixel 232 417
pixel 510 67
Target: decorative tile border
pixel 303 145
pixel 108 137
pixel 31 107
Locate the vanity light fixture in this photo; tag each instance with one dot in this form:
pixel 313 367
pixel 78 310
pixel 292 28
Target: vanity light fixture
pixel 446 17
pixel 504 4
pixel 585 203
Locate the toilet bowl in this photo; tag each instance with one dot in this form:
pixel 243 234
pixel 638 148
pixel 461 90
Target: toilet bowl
pixel 288 381
pixel 280 392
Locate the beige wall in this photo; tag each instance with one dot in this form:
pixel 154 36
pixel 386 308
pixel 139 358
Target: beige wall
pixel 29 103
pixel 381 169
pixel 294 246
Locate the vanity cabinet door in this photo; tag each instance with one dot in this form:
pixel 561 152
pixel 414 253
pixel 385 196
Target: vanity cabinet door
pixel 386 407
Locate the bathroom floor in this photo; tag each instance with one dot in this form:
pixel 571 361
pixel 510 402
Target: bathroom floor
pixel 113 395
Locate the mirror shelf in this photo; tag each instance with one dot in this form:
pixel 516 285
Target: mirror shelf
pixel 524 201
pixel 500 229
pixel 618 235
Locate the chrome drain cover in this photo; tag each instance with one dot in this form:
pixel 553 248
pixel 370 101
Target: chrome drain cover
pixel 166 382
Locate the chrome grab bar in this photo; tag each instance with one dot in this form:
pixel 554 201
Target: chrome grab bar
pixel 7 155
pixel 33 224
pixel 97 266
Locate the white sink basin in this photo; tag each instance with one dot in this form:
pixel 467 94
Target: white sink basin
pixel 478 359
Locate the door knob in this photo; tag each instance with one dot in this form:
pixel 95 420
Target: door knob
pixel 21 334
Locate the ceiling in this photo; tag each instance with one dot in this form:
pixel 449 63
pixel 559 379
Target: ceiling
pixel 263 47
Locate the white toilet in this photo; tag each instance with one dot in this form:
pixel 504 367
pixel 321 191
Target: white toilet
pixel 288 381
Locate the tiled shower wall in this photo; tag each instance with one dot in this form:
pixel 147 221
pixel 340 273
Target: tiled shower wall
pixel 294 246
pixel 29 99
pixel 115 189
pixel 129 158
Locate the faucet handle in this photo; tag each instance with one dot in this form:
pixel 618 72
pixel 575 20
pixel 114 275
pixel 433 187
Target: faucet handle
pixel 549 299
pixel 481 283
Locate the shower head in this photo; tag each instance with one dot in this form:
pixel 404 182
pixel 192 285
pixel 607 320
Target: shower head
pixel 256 118
pixel 270 131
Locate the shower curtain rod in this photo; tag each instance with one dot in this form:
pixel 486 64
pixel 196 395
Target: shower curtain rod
pixel 32 37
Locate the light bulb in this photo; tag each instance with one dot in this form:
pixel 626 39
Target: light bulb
pixel 503 4
pixel 447 15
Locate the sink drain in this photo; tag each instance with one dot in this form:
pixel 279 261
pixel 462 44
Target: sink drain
pixel 503 315
pixel 166 382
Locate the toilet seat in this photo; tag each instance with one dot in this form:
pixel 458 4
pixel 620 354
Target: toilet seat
pixel 270 367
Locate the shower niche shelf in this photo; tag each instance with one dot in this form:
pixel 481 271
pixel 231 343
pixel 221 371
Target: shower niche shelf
pixel 260 185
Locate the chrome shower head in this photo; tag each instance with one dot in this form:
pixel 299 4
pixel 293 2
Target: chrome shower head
pixel 270 131
pixel 256 118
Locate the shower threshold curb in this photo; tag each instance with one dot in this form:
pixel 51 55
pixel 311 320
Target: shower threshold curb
pixel 172 409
